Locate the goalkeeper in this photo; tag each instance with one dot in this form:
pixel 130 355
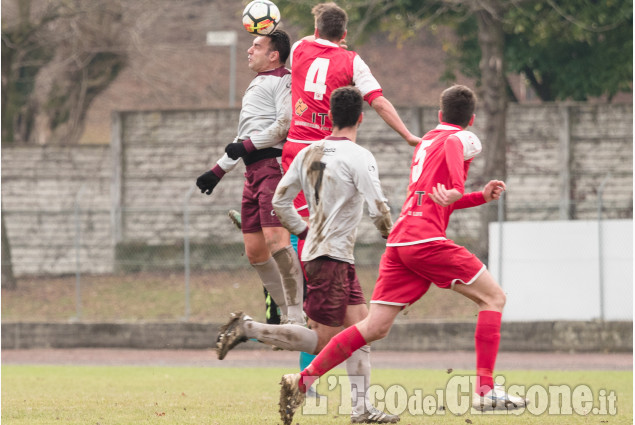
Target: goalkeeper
pixel 262 129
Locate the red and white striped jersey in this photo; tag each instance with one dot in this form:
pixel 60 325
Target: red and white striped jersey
pixel 443 156
pixel 317 68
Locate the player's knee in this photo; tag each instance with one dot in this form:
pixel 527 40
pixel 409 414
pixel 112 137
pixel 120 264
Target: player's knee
pixel 499 300
pixel 377 332
pixel 257 257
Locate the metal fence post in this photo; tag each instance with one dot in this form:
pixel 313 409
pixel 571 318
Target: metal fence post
pixel 186 249
pixel 600 244
pixel 78 265
pixel 501 210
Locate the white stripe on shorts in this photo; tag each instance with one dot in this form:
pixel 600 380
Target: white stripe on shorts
pixel 387 303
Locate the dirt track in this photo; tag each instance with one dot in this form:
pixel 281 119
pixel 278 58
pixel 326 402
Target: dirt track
pixel 269 358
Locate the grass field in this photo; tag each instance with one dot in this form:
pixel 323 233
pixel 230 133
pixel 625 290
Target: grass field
pixel 161 297
pixel 108 395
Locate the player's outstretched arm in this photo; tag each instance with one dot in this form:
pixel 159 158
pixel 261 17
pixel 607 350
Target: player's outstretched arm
pixel 389 114
pixel 491 192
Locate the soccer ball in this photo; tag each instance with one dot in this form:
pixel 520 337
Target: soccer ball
pixel 261 17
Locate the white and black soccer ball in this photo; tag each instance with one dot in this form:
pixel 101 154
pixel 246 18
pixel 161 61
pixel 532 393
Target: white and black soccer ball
pixel 261 17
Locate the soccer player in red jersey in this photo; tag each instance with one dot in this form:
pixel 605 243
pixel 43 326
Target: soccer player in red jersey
pixel 318 66
pixel 418 254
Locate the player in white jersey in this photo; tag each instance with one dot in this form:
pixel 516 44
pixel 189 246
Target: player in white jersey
pixel 338 176
pixel 262 129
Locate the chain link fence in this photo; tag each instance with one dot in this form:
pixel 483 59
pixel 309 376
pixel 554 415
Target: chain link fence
pixel 191 262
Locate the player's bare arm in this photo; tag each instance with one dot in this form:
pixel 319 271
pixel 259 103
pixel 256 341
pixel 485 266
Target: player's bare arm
pixel 443 196
pixel 389 114
pixel 493 190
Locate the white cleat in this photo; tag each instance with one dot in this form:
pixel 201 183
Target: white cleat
pixel 234 216
pixel 497 399
pixel 374 416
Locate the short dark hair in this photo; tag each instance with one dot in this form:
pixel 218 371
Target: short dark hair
pixel 280 43
pixel 457 105
pixel 346 106
pixel 330 21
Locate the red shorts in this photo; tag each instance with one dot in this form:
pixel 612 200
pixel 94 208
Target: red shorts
pixel 406 272
pixel 332 286
pixel 289 151
pixel 261 180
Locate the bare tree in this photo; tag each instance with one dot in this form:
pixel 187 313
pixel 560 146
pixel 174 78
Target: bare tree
pixel 493 103
pixel 57 56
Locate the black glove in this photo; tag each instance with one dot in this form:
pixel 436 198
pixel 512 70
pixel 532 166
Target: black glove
pixel 236 150
pixel 207 182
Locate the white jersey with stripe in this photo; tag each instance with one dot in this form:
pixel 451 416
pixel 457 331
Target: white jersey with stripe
pixel 336 176
pixel 265 116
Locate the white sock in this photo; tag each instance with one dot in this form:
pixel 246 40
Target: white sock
pixel 292 281
pixel 287 337
pixel 358 369
pixel 270 277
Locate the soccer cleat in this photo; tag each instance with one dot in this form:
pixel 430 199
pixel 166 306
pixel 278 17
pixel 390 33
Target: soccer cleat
pixel 374 416
pixel 290 397
pixel 234 216
pixel 497 399
pixel 231 334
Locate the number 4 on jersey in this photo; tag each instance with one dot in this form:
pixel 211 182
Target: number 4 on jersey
pixel 316 78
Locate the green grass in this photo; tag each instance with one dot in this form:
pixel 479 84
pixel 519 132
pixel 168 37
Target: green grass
pixel 161 297
pixel 105 395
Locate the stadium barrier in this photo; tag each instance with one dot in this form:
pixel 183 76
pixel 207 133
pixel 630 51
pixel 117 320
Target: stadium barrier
pixel 560 336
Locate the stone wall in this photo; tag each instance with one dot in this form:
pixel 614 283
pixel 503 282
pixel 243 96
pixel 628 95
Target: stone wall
pixel 133 194
pixel 562 336
pixel 54 199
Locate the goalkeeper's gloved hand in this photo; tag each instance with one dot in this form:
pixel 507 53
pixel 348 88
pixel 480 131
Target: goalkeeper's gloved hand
pixel 207 182
pixel 239 149
pixel 236 150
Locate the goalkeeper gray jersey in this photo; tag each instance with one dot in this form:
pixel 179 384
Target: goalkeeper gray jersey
pixel 336 176
pixel 265 116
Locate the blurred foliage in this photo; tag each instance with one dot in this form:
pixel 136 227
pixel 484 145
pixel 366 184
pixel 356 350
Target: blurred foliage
pixel 573 49
pixel 57 56
pixel 570 49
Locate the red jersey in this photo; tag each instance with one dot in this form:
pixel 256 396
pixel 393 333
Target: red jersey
pixel 317 68
pixel 443 156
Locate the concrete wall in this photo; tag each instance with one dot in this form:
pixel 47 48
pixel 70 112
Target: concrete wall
pixel 135 191
pixel 527 336
pixel 41 189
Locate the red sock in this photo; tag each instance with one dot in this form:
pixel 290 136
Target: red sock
pixel 487 338
pixel 339 348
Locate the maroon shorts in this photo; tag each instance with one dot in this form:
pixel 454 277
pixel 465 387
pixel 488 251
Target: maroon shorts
pixel 332 286
pixel 406 272
pixel 289 151
pixel 261 180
